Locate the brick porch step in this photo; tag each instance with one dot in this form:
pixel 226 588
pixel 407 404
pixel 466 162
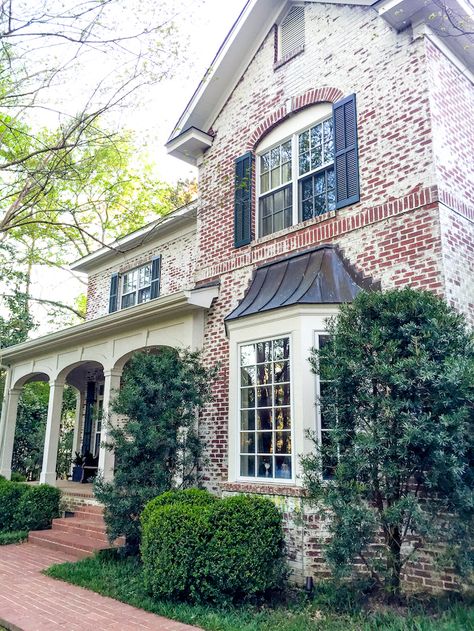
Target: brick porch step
pixel 79 535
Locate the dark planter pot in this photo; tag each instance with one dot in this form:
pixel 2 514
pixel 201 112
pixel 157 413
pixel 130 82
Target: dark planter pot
pixel 77 474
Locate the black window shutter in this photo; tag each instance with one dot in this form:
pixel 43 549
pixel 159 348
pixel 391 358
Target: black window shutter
pixel 346 159
pixel 243 201
pixel 155 277
pixel 113 296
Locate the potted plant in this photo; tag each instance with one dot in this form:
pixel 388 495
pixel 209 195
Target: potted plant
pixel 77 470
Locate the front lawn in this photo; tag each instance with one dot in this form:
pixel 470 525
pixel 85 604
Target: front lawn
pixel 122 579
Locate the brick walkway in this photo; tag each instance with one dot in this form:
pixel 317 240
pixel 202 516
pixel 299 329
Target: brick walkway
pixel 30 601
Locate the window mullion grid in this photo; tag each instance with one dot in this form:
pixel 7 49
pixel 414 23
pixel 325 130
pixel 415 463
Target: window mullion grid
pixel 294 178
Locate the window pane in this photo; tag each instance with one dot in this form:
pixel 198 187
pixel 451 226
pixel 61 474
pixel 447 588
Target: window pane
pixel 283 467
pixel 281 395
pixel 128 300
pixel 265 182
pixel 264 352
pixel 316 158
pixel 265 467
pixel 247 397
pixel 328 141
pixel 264 442
pixel 307 188
pixel 278 201
pixel 331 200
pixel 247 466
pixel 144 295
pixel 304 142
pixel 319 183
pixel 265 163
pixel 247 420
pixel 281 348
pixel 264 374
pixel 278 221
pixel 307 209
pixel 275 157
pixel 304 163
pixel 264 397
pixel 264 419
pixel 247 376
pixel 319 204
pixel 282 418
pixel 286 151
pixel 247 443
pixel 330 178
pixel 275 178
pixel 316 135
pixel 286 173
pixel 266 226
pixel 281 371
pixel 283 443
pixel 247 355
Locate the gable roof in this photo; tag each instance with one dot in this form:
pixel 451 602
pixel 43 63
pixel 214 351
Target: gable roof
pixel 318 276
pixel 246 36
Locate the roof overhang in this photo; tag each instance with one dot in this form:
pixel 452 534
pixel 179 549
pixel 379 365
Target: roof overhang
pixel 178 303
pixel 190 145
pixel 248 32
pixel 156 229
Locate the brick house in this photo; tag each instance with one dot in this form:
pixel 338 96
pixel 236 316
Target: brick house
pixel 334 143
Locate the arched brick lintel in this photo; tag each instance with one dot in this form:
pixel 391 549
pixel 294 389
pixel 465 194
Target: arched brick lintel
pixel 311 97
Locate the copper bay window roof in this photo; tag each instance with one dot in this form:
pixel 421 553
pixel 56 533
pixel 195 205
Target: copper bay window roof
pixel 317 276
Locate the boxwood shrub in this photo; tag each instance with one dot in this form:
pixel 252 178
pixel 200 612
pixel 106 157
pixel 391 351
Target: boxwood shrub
pixel 10 496
pixel 196 497
pixel 37 507
pixel 217 551
pixel 25 507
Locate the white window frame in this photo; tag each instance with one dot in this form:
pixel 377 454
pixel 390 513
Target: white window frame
pixel 138 288
pixel 299 323
pixel 294 183
pixel 257 479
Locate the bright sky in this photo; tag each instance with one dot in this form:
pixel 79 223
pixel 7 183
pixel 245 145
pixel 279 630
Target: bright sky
pixel 204 30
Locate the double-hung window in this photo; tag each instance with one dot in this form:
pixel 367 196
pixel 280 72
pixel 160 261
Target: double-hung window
pixel 136 286
pixel 265 410
pixel 296 178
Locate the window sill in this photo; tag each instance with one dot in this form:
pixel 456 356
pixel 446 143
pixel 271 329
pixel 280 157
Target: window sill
pixel 284 60
pixel 298 226
pixel 264 488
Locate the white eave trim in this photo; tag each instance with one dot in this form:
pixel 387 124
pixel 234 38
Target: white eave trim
pixel 190 145
pixel 179 303
pixel 135 239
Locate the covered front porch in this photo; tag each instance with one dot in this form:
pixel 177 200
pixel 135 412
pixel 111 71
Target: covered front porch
pixel 91 358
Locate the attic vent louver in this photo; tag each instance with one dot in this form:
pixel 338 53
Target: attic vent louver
pixel 292 31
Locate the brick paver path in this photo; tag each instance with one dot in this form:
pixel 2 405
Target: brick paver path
pixel 30 601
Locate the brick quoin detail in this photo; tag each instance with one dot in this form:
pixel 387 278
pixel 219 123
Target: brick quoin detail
pixel 298 103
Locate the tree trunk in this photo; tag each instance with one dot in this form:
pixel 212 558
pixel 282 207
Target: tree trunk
pixel 394 562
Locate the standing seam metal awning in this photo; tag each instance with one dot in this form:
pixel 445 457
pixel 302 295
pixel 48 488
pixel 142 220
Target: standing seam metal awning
pixel 318 276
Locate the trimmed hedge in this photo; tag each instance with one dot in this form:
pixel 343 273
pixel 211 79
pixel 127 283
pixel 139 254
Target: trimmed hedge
pixel 195 497
pixel 10 496
pixel 212 551
pixel 38 507
pixel 27 507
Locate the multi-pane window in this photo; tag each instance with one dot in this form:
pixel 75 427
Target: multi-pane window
pixel 98 423
pixel 329 460
pixel 136 286
pixel 297 179
pixel 265 410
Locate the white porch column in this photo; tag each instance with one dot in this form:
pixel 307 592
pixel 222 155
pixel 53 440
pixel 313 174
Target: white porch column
pixel 9 413
pixel 51 440
pixel 76 441
pixel 106 457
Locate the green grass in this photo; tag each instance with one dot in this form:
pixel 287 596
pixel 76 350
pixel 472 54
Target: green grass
pixel 122 579
pixel 6 538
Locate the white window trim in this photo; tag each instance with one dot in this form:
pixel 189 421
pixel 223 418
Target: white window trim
pixel 121 293
pixel 299 323
pixel 288 132
pixel 273 479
